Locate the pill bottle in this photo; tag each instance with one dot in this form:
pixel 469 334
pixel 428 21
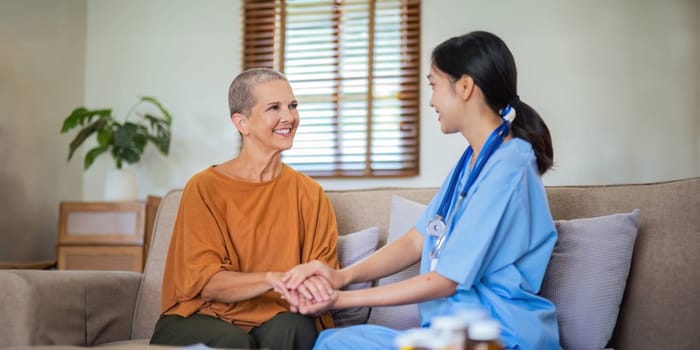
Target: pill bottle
pixel 451 330
pixel 484 335
pixel 469 315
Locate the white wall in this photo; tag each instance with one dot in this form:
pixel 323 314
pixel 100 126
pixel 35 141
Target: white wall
pixel 42 60
pixel 617 83
pixel 183 52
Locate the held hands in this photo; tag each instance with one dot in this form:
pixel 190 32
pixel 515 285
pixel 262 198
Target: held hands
pixel 309 288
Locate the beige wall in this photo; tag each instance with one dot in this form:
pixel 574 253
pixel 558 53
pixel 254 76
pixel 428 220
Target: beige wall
pixel 42 60
pixel 617 83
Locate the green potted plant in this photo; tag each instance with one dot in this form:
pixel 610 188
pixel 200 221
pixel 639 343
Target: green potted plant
pixel 125 140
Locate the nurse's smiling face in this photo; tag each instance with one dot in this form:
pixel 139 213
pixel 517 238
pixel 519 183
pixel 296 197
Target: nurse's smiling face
pixel 446 101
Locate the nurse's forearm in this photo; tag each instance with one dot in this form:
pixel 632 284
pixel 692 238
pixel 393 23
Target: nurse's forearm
pixel 417 289
pixel 390 259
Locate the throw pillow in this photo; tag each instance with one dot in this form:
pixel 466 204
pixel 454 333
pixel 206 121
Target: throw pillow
pixel 352 248
pixel 403 215
pixel 586 276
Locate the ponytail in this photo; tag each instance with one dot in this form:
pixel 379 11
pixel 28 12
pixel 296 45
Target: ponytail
pixel 529 126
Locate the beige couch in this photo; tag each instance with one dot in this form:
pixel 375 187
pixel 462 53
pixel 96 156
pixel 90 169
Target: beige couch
pixel 660 309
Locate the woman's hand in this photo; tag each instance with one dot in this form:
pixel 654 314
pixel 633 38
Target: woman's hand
pixel 274 279
pixel 295 277
pixel 308 307
pixel 312 290
pixel 315 289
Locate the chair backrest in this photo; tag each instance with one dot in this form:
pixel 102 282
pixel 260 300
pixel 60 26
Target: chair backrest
pixel 148 301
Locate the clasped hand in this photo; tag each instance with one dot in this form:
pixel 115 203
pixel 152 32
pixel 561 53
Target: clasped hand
pixel 310 288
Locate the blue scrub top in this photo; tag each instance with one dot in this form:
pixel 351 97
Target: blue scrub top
pixel 501 239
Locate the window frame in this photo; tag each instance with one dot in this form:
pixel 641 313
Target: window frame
pixel 264 35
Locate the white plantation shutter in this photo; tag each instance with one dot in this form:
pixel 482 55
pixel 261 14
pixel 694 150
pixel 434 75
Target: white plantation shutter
pixel 355 70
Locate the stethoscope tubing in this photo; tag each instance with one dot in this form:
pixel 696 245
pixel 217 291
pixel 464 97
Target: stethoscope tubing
pixel 494 140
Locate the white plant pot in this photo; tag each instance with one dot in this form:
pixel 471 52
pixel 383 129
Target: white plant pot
pixel 120 185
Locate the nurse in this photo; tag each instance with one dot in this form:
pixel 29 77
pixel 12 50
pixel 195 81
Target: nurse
pixel 486 237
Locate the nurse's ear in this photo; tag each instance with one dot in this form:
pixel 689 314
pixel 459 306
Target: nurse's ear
pixel 465 87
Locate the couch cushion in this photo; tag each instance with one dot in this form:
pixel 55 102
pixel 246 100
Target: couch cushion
pixel 586 277
pixel 353 247
pixel 71 307
pixel 148 302
pixel 403 216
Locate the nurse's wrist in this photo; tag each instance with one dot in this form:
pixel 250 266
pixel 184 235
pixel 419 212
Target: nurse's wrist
pixel 340 301
pixel 345 277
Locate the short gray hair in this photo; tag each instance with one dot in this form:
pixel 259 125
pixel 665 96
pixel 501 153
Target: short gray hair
pixel 240 93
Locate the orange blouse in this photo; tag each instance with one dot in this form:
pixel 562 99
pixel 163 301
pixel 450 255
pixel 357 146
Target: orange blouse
pixel 228 224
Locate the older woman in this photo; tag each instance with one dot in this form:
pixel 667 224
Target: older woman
pixel 240 224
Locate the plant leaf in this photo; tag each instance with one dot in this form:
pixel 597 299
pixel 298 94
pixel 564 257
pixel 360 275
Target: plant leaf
pixel 81 115
pixel 155 102
pixel 129 142
pixel 161 139
pixel 84 134
pixel 130 155
pixel 124 134
pixel 92 154
pixel 105 136
pixel 117 157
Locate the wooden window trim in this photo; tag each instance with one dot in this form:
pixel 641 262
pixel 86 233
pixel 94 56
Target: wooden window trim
pixel 264 46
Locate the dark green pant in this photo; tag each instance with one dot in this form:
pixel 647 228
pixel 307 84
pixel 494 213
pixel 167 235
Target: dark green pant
pixel 285 331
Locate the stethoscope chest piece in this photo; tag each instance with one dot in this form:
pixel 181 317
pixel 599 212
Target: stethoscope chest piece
pixel 436 227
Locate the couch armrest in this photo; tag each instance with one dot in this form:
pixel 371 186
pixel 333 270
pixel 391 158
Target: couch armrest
pixel 82 308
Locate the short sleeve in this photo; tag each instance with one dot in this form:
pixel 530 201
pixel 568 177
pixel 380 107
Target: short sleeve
pixel 474 237
pixel 197 249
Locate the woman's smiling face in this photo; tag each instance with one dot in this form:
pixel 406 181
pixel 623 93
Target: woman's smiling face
pixel 274 118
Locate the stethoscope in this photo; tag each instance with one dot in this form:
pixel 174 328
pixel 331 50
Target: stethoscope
pixel 437 227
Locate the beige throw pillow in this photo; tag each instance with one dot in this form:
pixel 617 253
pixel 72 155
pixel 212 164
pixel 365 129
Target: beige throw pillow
pixel 586 277
pixel 352 248
pixel 404 214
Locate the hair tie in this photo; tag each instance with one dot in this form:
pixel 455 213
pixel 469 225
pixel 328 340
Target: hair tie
pixel 508 112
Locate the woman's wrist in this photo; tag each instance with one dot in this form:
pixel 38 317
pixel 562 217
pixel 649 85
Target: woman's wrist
pixel 272 279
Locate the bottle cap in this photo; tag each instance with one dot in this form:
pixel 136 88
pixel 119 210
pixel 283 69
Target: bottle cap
pixel 447 323
pixel 414 337
pixel 485 330
pixel 405 340
pixel 470 315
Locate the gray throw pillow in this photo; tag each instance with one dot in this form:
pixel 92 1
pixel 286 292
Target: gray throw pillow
pixel 403 216
pixel 352 248
pixel 586 277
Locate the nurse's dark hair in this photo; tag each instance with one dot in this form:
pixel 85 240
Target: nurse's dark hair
pixel 487 60
pixel 240 93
